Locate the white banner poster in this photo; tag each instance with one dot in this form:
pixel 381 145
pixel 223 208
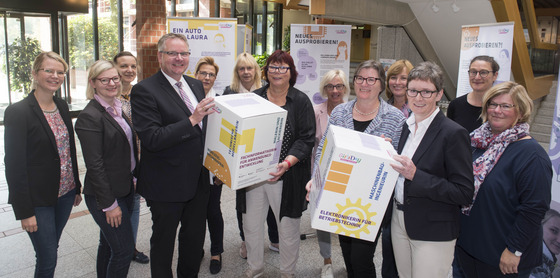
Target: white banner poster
pixel 316 49
pixel 214 37
pixel 494 40
pixel 552 226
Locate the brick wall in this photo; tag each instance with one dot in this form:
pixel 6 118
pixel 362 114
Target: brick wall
pixel 150 26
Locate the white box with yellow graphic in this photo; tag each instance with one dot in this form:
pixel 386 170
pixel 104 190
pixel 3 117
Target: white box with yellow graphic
pixel 352 184
pixel 244 139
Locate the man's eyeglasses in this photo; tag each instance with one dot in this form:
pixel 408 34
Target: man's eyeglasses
pixel 423 93
pixel 503 106
pixel 370 80
pixel 282 69
pixel 174 54
pixel 330 87
pixel 106 81
pixel 209 74
pixel 54 72
pixel 483 73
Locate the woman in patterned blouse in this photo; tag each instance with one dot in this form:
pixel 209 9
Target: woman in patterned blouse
pixel 41 167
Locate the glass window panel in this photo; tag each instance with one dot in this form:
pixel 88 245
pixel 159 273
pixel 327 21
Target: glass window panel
pixel 39 28
pixel 107 14
pixel 185 8
pixel 242 8
pixel 25 39
pixel 129 31
pixel 270 30
pixel 204 7
pixel 80 48
pixel 4 95
pixel 225 8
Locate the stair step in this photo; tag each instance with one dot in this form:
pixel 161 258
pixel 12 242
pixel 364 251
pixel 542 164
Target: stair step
pixel 541 137
pixel 548 104
pixel 542 120
pixel 545 111
pixel 541 128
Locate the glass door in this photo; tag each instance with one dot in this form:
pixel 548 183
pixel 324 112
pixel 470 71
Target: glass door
pixel 24 37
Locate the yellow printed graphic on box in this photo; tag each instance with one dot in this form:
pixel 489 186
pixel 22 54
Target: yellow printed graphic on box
pixel 352 183
pixel 351 219
pixel 231 139
pixel 243 139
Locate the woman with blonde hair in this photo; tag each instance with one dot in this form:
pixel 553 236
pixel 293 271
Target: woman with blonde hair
pixel 397 76
pixel 110 153
pixel 40 160
pixel 335 88
pixel 501 229
pixel 247 78
pixel 246 75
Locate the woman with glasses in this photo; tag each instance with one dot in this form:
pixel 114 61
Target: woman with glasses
pixel 40 160
pixel 335 88
pixel 284 192
pixel 370 114
pixel 247 78
pixel 435 180
pixel 110 153
pixel 127 67
pixel 206 70
pixel 501 232
pixel 466 109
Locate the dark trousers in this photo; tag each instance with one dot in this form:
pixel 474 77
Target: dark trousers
pixel 358 256
pixel 215 221
pixel 116 245
pixel 389 266
pixel 270 221
pixel 474 268
pixel 166 217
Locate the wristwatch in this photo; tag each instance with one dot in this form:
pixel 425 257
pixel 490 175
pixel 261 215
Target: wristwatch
pixel 515 252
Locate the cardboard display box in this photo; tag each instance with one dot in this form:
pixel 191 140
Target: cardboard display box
pixel 352 184
pixel 244 139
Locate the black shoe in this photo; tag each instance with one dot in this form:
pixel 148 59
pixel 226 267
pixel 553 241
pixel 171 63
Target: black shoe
pixel 140 258
pixel 216 265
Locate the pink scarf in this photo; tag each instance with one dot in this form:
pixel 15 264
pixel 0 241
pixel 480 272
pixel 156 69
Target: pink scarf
pixel 495 145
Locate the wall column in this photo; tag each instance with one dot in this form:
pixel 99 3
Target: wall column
pixel 150 26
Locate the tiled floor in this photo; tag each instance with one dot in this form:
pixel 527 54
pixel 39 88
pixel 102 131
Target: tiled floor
pixel 78 245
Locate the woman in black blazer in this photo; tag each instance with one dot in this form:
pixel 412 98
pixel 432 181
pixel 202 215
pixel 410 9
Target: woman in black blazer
pixel 41 167
pixel 109 149
pixel 435 180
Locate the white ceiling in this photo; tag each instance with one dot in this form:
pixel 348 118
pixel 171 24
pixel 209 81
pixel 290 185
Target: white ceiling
pixel 443 28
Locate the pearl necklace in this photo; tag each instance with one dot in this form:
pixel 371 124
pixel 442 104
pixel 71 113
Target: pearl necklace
pixel 366 114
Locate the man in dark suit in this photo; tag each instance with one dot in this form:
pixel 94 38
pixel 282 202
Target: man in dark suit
pixel 436 179
pixel 169 114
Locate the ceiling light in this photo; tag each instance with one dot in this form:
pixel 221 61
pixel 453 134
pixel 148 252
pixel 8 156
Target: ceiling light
pixel 455 8
pixel 435 7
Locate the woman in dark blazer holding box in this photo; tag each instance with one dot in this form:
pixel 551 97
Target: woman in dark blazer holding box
pixel 109 149
pixel 435 180
pixel 41 167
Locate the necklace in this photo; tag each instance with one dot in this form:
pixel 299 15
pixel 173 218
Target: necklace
pixel 50 111
pixel 365 114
